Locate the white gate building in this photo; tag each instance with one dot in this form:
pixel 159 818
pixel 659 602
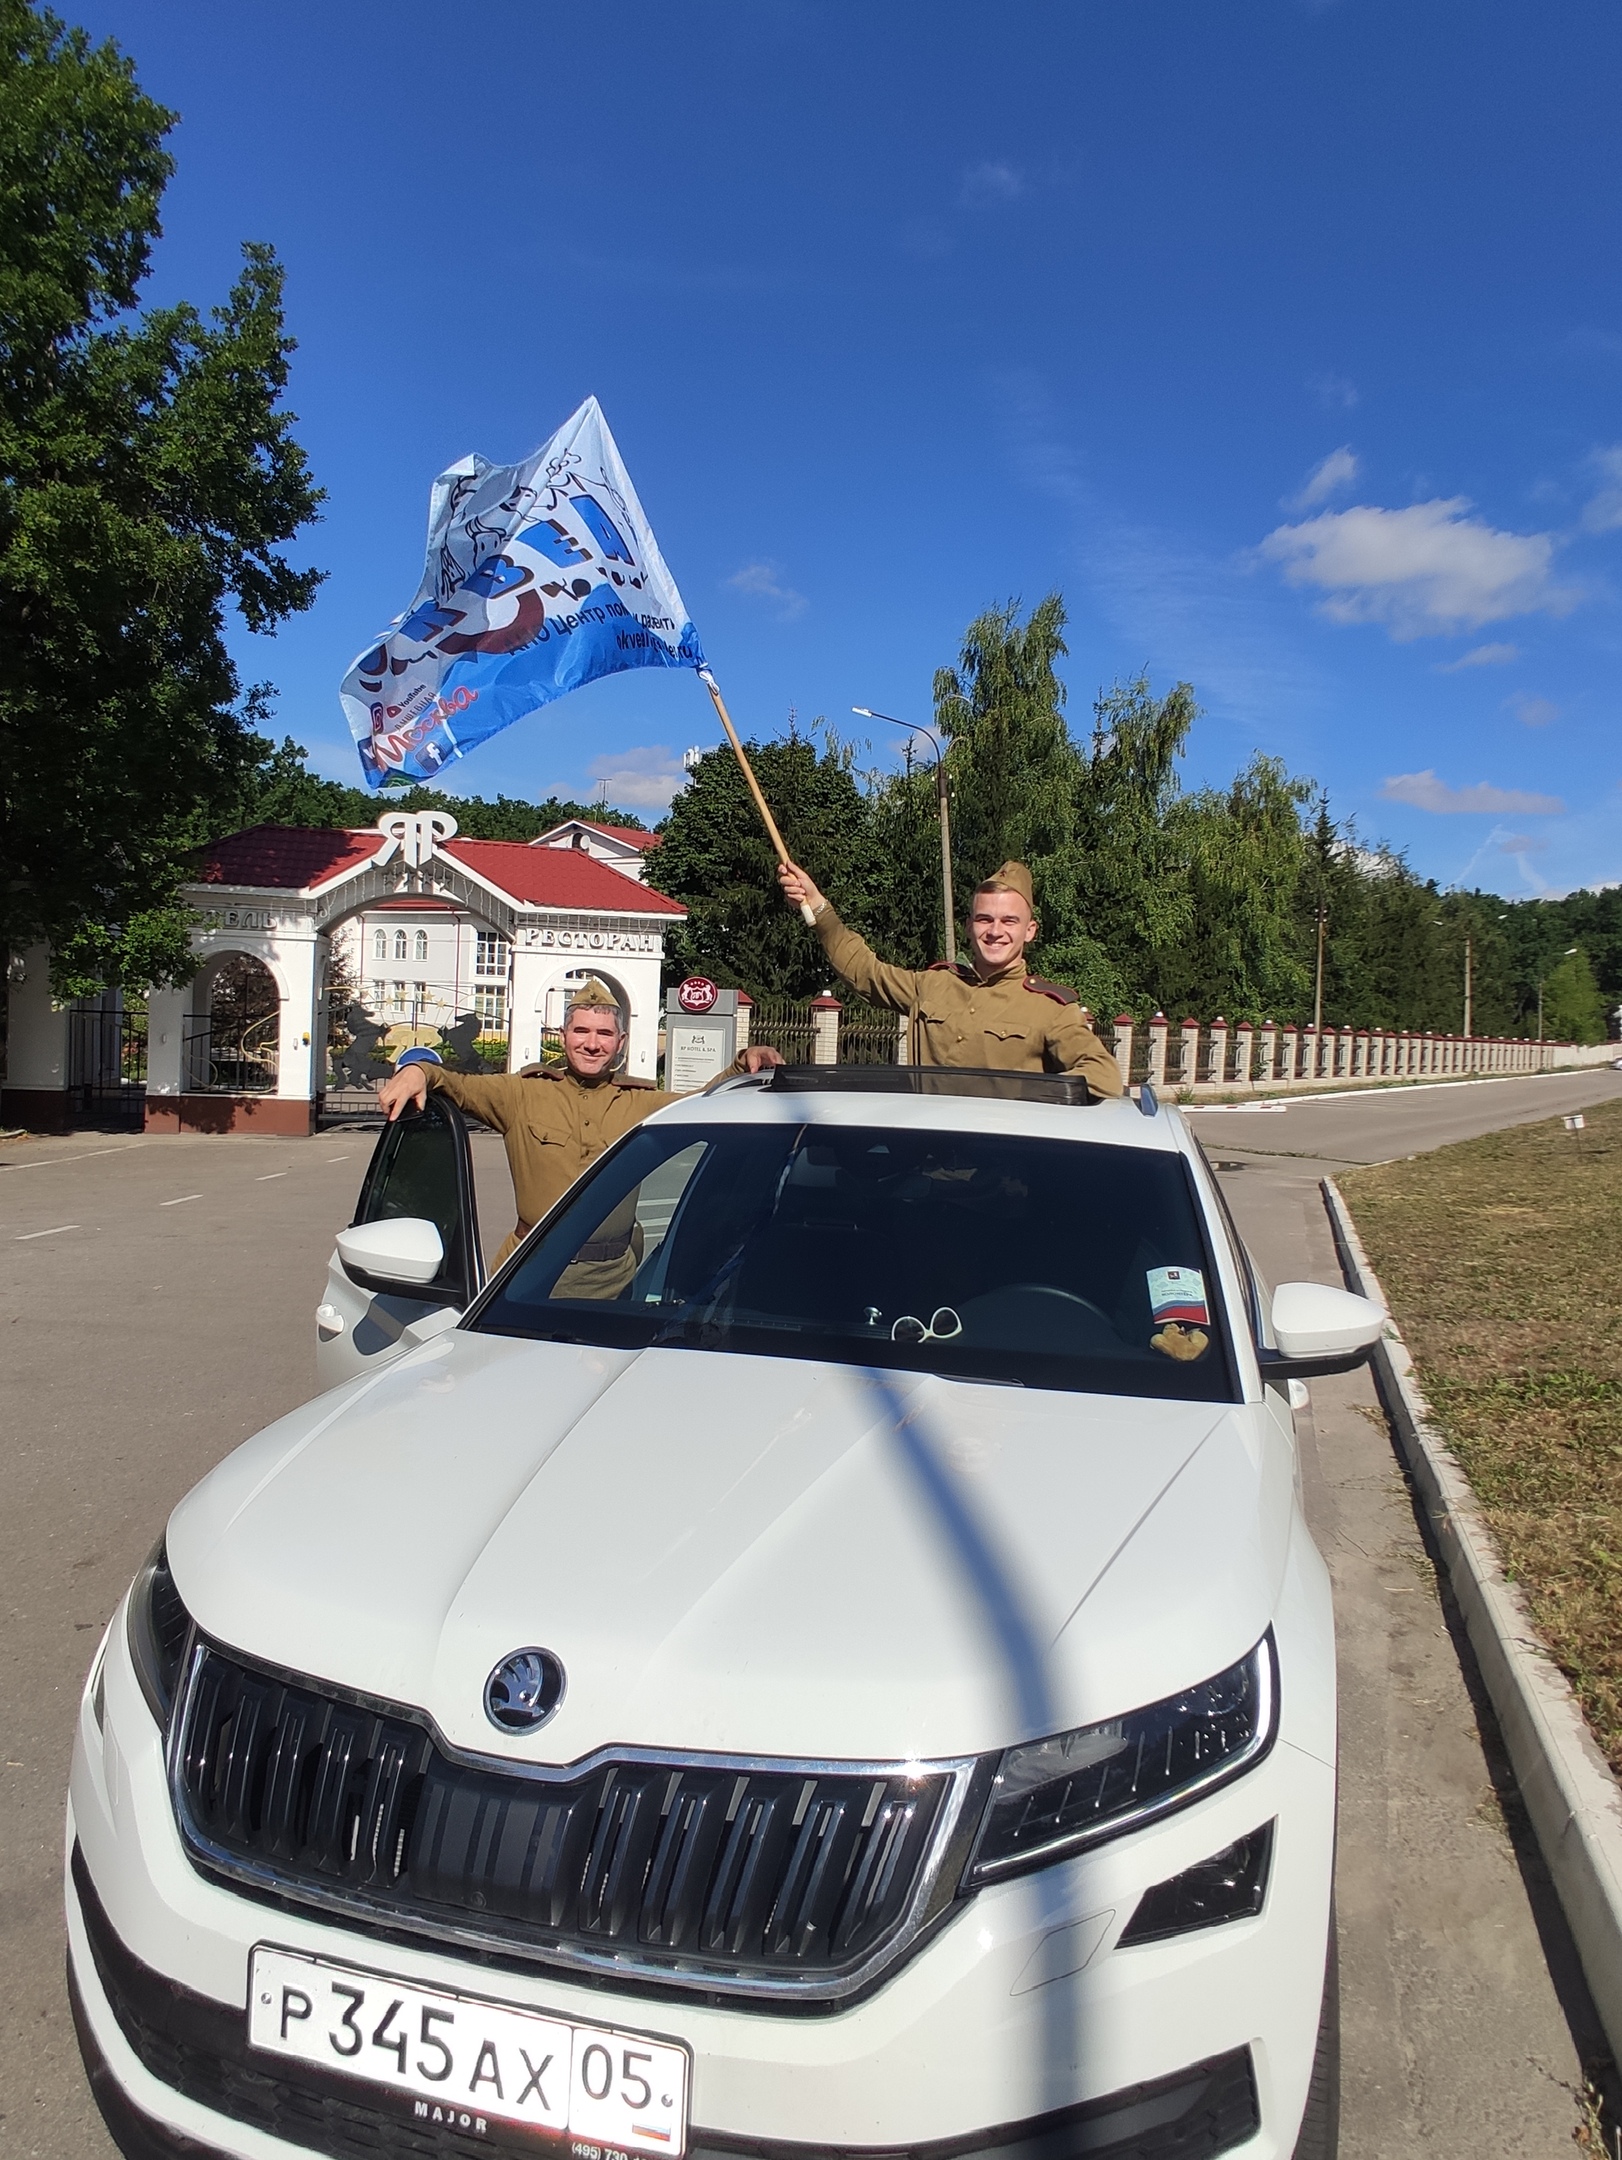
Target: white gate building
pixel 271 902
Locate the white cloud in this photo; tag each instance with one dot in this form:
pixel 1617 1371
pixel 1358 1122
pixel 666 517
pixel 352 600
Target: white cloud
pixel 1423 791
pixel 991 182
pixel 1424 571
pixel 1338 470
pixel 764 581
pixel 1520 844
pixel 1532 711
pixel 1602 513
pixel 1333 391
pixel 1481 656
pixel 645 777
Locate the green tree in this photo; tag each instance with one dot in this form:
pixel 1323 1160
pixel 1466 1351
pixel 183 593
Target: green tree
pixel 1012 765
pixel 1573 1006
pixel 1243 854
pixel 715 858
pixel 1133 896
pixel 148 482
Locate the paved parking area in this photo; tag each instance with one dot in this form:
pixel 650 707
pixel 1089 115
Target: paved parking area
pixel 156 1307
pixel 156 1298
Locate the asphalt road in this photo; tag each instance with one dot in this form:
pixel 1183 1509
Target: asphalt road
pixel 157 1299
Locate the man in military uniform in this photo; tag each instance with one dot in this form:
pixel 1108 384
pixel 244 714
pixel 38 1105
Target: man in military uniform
pixel 992 1013
pixel 555 1119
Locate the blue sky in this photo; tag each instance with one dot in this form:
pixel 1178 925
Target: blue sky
pixel 1284 339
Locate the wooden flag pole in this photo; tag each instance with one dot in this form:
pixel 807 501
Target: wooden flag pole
pixel 766 818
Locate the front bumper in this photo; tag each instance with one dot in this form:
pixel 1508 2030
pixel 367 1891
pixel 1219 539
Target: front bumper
pixel 1020 2029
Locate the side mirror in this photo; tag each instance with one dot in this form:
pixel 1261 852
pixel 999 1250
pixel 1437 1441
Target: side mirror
pixel 1320 1330
pixel 399 1250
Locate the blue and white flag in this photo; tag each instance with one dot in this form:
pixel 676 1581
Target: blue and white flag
pixel 539 577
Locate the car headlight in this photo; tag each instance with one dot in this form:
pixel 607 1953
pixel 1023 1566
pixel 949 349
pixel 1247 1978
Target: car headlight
pixel 1054 1797
pixel 158 1628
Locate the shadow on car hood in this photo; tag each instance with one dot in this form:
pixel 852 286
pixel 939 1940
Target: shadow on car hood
pixel 742 1554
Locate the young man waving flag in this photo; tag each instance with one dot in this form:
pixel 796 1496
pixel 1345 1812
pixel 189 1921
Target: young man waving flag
pixel 992 1014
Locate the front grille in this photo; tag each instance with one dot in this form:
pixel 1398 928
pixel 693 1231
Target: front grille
pixel 689 1872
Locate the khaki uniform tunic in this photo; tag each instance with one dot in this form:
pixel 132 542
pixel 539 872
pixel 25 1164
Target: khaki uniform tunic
pixel 1010 1022
pixel 554 1126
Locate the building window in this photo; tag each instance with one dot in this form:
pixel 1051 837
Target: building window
pixel 380 991
pixel 380 945
pixel 490 1003
pixel 490 954
pixel 399 997
pixel 422 944
pixel 399 944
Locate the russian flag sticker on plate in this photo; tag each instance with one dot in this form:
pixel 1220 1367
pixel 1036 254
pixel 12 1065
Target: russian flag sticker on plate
pixel 1178 1293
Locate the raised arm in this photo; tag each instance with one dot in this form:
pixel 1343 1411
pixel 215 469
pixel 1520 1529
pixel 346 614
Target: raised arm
pixel 850 956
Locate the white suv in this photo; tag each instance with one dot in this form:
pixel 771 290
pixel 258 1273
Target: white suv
pixel 823 1656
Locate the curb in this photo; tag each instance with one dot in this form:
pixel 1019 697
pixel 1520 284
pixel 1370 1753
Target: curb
pixel 1574 1802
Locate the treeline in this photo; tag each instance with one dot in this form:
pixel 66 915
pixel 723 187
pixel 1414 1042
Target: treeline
pixel 280 789
pixel 1151 896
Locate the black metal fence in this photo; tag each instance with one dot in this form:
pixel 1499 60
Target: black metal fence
pixel 107 1062
pixel 784 1024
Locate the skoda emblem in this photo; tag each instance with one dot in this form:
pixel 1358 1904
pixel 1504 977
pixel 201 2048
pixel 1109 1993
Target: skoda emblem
pixel 524 1690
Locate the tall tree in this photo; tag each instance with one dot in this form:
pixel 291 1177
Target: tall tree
pixel 1133 889
pixel 148 482
pixel 715 858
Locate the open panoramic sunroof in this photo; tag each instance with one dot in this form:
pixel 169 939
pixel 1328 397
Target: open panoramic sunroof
pixel 1068 1090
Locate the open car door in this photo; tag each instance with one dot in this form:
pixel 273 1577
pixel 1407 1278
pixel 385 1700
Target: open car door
pixel 409 1264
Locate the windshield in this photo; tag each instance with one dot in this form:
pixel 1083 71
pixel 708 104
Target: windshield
pixel 1047 1263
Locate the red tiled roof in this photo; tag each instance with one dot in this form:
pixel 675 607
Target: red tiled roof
pixel 558 877
pixel 298 858
pixel 291 856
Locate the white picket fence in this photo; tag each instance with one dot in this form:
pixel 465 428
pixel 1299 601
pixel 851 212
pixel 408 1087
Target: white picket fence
pixel 1197 1055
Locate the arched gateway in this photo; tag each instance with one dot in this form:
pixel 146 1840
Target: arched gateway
pixel 274 895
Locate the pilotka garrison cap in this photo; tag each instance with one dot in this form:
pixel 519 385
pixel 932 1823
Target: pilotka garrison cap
pixel 1015 878
pixel 592 992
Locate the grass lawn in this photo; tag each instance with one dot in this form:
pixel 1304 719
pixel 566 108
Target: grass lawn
pixel 1502 1259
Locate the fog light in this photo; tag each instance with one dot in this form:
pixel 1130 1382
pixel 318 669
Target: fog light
pixel 1231 1885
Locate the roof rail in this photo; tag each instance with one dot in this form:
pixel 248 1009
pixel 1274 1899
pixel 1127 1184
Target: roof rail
pixel 1066 1090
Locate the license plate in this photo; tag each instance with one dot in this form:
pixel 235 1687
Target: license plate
pixel 464 2061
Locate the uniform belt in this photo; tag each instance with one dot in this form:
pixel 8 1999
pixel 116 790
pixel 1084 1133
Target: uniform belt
pixel 608 1248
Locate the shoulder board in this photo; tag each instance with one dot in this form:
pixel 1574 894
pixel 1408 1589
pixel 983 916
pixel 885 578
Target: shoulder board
pixel 952 967
pixel 1061 993
pixel 533 1072
pixel 621 1081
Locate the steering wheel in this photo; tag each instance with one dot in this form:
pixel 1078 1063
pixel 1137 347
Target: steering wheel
pixel 1037 1295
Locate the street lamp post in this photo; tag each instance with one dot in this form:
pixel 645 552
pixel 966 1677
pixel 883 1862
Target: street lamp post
pixel 866 712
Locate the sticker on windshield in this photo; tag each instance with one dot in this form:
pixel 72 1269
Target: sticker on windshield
pixel 1178 1293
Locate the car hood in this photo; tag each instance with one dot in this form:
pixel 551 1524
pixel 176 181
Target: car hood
pixel 749 1555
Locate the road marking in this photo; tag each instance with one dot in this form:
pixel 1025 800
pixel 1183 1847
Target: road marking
pixel 337 1158
pixel 25 1235
pixel 49 1162
pixel 181 1202
pixel 265 1180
